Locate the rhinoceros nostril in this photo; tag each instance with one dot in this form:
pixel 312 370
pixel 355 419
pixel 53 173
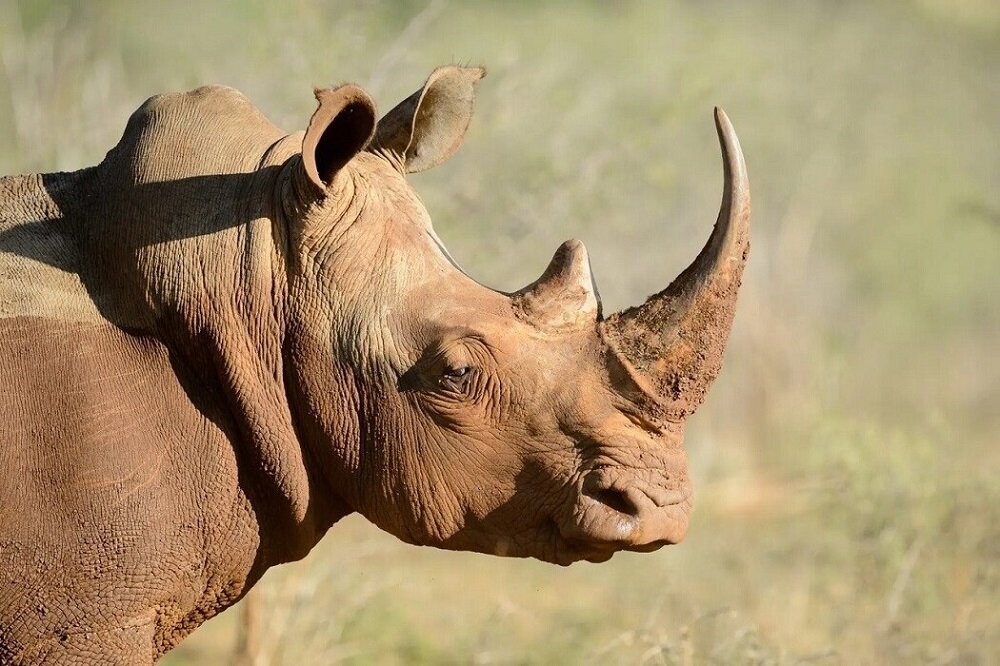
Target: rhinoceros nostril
pixel 614 499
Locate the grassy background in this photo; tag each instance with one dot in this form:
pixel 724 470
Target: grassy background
pixel 848 505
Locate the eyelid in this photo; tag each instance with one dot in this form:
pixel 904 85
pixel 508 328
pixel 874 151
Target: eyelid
pixel 455 356
pixel 453 366
pixel 466 349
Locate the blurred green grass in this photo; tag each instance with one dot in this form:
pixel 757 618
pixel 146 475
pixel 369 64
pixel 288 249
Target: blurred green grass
pixel 847 499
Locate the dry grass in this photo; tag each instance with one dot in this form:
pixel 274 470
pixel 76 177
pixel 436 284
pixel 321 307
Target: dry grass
pixel 846 509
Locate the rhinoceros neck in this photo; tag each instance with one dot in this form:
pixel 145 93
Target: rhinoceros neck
pixel 178 246
pixel 140 324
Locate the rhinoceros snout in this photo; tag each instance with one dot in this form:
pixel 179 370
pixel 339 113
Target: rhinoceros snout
pixel 626 514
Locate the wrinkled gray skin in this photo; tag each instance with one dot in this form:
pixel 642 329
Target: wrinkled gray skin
pixel 223 339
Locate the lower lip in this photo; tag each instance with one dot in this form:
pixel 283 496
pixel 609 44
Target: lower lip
pixel 600 557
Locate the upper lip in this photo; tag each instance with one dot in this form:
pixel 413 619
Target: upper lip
pixel 654 519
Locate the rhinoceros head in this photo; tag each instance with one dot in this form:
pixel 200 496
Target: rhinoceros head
pixel 453 415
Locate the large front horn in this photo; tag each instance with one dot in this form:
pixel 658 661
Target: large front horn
pixel 676 339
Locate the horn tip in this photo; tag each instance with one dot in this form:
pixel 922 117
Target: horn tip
pixel 722 122
pixel 720 114
pixel 730 148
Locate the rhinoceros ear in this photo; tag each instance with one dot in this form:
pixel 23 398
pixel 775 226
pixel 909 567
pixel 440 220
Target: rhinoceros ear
pixel 340 128
pixel 426 128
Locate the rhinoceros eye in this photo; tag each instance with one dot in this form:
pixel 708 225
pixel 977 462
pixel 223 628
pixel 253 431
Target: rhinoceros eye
pixel 455 379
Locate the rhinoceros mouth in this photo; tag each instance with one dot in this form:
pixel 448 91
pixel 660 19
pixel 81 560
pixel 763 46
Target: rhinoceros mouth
pixel 597 530
pixel 567 551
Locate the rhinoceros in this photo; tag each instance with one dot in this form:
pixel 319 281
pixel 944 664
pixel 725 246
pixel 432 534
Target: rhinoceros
pixel 224 338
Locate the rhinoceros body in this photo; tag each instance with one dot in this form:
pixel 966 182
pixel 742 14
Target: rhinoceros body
pixel 224 338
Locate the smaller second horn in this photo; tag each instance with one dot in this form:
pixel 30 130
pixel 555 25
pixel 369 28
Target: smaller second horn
pixel 566 294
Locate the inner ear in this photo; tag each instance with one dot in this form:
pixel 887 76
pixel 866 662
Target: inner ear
pixel 340 129
pixel 344 138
